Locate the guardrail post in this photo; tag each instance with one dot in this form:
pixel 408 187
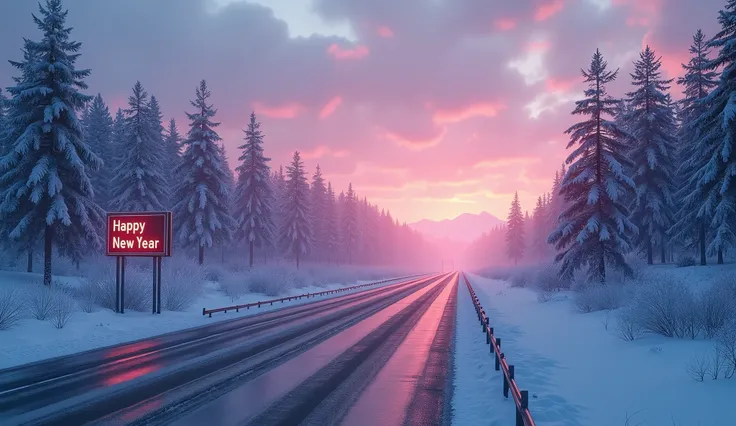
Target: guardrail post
pixel 524 407
pixel 499 356
pixel 507 383
pixel 203 311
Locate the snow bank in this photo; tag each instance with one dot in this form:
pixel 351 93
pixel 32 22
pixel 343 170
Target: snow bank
pixel 580 373
pixel 477 398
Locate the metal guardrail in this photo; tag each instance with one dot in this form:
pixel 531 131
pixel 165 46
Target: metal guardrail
pixel 270 302
pixel 521 397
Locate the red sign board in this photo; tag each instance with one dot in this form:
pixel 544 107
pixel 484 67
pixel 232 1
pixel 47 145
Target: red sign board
pixel 139 234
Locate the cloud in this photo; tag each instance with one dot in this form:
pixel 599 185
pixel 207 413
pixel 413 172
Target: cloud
pixel 330 107
pixel 426 89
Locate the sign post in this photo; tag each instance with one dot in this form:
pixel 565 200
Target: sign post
pixel 138 234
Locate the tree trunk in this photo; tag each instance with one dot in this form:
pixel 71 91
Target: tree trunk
pixel 201 255
pixel 662 252
pixel 602 265
pixel 48 239
pixel 30 261
pixel 701 240
pixel 250 254
pixel 650 253
pixel 297 260
pixel 720 256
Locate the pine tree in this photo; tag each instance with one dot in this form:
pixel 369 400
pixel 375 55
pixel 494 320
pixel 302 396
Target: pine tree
pixel 254 195
pixel 3 123
pixel 296 233
pixel 97 123
pixel 515 231
pixel 44 178
pixel 594 229
pixel 692 225
pixel 715 132
pixel 332 229
pixel 350 224
pixel 201 212
pixel 139 183
pixel 652 126
pixel 538 229
pixel 118 137
pixel 318 200
pixel 172 145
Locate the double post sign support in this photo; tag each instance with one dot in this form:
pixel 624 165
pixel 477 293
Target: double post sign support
pixel 138 234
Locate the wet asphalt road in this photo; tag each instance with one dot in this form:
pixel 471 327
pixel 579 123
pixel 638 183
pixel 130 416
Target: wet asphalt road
pixel 380 356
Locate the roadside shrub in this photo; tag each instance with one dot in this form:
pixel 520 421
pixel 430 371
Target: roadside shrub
pixel 234 285
pixel 11 307
pixel 599 297
pixel 496 273
pixel 62 310
pixel 666 306
pixel 627 325
pixel 270 281
pixel 182 282
pixel 40 300
pixel 522 276
pixel 547 279
pixel 686 261
pixel 716 307
pixel 213 272
pixel 138 289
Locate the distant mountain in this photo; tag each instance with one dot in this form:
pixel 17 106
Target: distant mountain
pixel 464 228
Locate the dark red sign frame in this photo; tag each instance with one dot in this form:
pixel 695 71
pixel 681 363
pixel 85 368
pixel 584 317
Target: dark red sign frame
pixel 167 237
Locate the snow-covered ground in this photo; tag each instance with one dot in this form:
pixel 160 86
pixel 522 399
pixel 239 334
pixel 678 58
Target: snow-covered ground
pixel 31 339
pixel 477 397
pixel 579 373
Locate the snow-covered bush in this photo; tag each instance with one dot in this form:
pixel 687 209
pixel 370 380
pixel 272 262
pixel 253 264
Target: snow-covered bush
pixel 40 300
pixel 62 309
pixel 547 279
pixel 597 297
pixel 138 289
pixel 698 367
pixel 98 289
pixel 496 273
pixel 627 325
pixel 11 306
pixel 522 276
pixel 182 282
pixel 272 281
pixel 716 307
pixel 726 346
pixel 686 261
pixel 215 272
pixel 664 305
pixel 234 285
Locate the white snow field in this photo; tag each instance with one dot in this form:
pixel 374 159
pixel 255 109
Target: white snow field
pixel 580 373
pixel 477 398
pixel 28 339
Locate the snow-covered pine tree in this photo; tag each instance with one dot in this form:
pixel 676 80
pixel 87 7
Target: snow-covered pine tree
pixel 3 122
pixel 253 193
pixel 172 144
pixel 44 178
pixel 715 131
pixel 651 123
pixel 691 224
pixel 98 123
pixel 296 234
pixel 318 195
pixel 539 230
pixel 140 183
pixel 155 119
pixel 202 199
pixel 118 137
pixel 515 244
pixel 595 229
pixel 332 228
pixel 350 224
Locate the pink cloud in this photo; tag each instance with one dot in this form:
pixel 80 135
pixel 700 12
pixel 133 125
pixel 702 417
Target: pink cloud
pixel 330 107
pixel 322 151
pixel 505 24
pixel 285 111
pixel 548 9
pixel 450 116
pixel 415 144
pixel 385 32
pixel 538 46
pixel 559 85
pixel 358 52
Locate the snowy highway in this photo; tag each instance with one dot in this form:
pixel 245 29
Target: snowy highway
pixel 336 361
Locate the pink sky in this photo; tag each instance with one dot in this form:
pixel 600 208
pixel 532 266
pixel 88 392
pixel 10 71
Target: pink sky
pixel 430 108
